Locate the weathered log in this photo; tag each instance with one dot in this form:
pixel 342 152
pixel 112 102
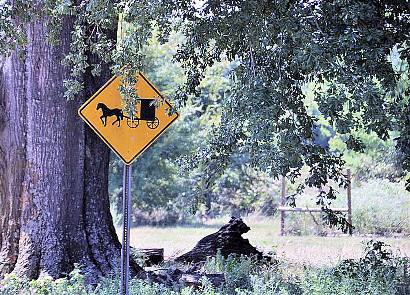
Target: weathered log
pixel 228 240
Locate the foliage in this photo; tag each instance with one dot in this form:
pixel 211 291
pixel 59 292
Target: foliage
pixel 241 190
pixel 73 284
pixel 378 158
pixel 11 285
pixel 379 271
pixel 161 183
pixel 301 41
pixel 381 207
pixel 168 187
pixel 236 270
pixel 355 51
pixel 341 45
pixel 10 36
pixel 378 207
pixel 364 152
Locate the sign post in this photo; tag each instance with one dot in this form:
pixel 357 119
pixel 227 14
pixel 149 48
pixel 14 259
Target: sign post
pixel 126 208
pixel 128 135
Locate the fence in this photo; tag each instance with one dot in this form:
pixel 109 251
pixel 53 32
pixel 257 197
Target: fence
pixel 282 209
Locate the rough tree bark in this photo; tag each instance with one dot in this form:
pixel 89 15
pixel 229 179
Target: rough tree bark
pixel 54 191
pixel 12 155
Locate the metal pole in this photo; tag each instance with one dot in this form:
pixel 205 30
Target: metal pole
pixel 125 251
pixel 282 203
pixel 349 199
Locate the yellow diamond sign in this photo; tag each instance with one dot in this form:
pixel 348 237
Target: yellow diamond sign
pixel 127 135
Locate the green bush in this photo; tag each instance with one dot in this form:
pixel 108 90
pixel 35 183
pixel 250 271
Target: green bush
pixel 11 285
pixel 379 159
pixel 74 284
pixel 236 270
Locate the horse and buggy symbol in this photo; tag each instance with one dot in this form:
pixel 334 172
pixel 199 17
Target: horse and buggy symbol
pixel 147 114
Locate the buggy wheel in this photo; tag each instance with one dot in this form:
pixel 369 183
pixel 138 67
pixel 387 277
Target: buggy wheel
pixel 153 124
pixel 133 122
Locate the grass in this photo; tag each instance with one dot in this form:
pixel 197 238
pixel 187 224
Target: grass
pixel 377 271
pixel 379 207
pixel 264 234
pixel 309 265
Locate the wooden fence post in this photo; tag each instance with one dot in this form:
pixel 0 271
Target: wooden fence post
pixel 349 199
pixel 282 203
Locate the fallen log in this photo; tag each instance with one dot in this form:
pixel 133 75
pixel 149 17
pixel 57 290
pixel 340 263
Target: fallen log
pixel 228 240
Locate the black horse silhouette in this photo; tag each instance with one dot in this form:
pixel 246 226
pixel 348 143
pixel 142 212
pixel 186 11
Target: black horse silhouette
pixel 107 112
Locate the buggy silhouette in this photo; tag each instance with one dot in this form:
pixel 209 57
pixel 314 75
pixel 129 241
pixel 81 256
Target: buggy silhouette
pixel 147 114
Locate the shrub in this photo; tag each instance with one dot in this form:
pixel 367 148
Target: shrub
pixel 236 270
pixel 74 284
pixel 11 285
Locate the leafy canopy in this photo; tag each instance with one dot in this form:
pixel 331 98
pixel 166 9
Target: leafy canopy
pixel 354 51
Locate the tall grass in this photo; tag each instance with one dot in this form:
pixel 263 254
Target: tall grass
pixel 379 207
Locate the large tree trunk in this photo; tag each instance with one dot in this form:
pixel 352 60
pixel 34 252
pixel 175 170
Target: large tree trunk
pixel 12 155
pixel 100 229
pixel 59 215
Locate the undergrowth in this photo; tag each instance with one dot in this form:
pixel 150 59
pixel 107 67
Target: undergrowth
pixel 379 271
